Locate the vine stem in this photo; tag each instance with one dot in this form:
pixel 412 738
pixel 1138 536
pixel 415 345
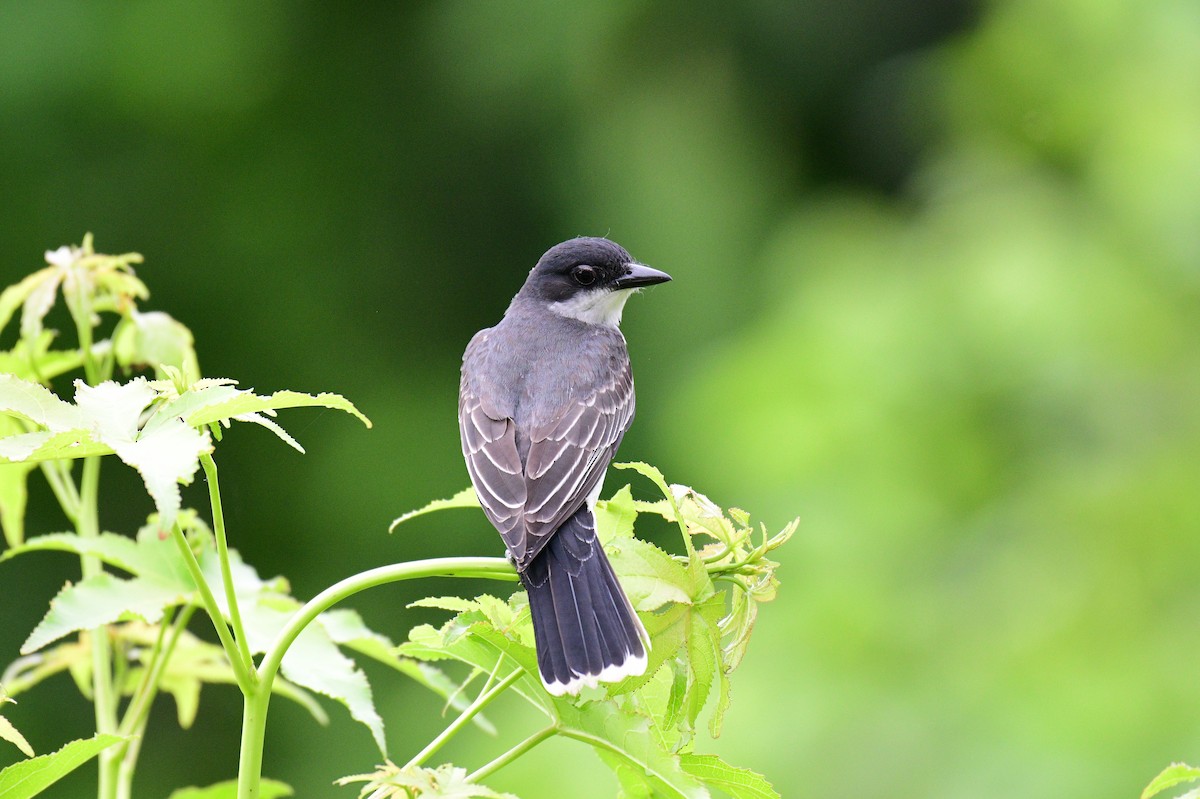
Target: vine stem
pixel 512 754
pixel 483 700
pixel 258 695
pixel 235 615
pixel 88 526
pixel 240 670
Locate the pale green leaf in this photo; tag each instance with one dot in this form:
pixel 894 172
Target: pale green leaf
pixel 738 783
pixel 248 402
pixel 38 404
pixel 13 490
pixel 14 296
pixel 11 734
pixel 30 777
pixel 156 339
pixel 348 630
pixel 1172 775
pixel 444 782
pixel 651 578
pixel 463 499
pixel 313 661
pixel 615 516
pixel 268 789
pixel 98 600
pixel 44 445
pixel 627 736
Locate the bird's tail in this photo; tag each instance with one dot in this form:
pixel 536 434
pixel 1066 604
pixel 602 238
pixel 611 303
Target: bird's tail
pixel 585 628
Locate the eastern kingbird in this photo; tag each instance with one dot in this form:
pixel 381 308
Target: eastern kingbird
pixel 545 398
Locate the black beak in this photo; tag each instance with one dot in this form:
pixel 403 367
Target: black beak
pixel 637 275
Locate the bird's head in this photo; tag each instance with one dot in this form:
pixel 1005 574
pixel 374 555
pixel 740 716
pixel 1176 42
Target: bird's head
pixel 588 279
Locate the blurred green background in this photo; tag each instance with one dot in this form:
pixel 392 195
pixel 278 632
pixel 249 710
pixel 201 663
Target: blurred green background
pixel 937 291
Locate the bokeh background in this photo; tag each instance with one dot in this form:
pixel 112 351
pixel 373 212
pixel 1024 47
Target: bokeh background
pixel 937 291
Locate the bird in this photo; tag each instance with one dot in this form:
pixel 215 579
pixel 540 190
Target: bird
pixel 545 398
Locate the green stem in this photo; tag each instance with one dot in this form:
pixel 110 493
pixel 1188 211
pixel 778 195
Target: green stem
pixel 235 615
pixel 483 700
pixel 254 713
pixel 138 712
pixel 88 526
pixel 63 487
pixel 511 754
pixel 240 670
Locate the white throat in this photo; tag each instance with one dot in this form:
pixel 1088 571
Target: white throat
pixel 596 307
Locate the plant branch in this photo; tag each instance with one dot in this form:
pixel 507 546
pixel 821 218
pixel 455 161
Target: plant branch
pixel 87 525
pixel 244 679
pixel 235 615
pixel 257 702
pixel 483 700
pixel 512 754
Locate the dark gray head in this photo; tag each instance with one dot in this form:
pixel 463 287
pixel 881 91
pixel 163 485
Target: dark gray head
pixel 588 279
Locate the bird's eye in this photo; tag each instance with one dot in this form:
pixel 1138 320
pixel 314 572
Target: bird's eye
pixel 584 275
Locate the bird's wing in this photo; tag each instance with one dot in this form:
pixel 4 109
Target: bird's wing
pixel 569 455
pixel 490 447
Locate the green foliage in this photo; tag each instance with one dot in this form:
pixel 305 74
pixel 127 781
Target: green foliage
pixel 121 630
pixel 698 609
pixel 10 733
pixel 445 781
pixel 31 777
pixel 1173 775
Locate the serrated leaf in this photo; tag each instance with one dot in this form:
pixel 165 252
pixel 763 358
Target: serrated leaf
pixel 38 404
pixel 98 600
pixel 615 516
pixel 268 789
pixel 463 499
pixel 1172 775
pixel 313 661
pixel 156 339
pixel 347 629
pixel 444 782
pixel 651 578
pixel 13 492
pixel 738 783
pixel 43 445
pixel 248 402
pixel 11 734
pixel 30 777
pixel 628 737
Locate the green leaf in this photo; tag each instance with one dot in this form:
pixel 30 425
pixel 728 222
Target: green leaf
pixel 14 296
pixel 313 661
pixel 1172 775
pixel 156 339
pixel 615 516
pixel 446 781
pixel 246 402
pixel 43 445
pixel 739 783
pixel 463 499
pixel 651 578
pixel 11 734
pixel 31 777
pixel 98 600
pixel 348 630
pixel 13 492
pixel 268 789
pixel 627 737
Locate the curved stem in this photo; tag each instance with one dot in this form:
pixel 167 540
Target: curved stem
pixel 258 698
pixel 235 614
pixel 512 754
pixel 483 700
pixel 240 670
pixel 87 525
